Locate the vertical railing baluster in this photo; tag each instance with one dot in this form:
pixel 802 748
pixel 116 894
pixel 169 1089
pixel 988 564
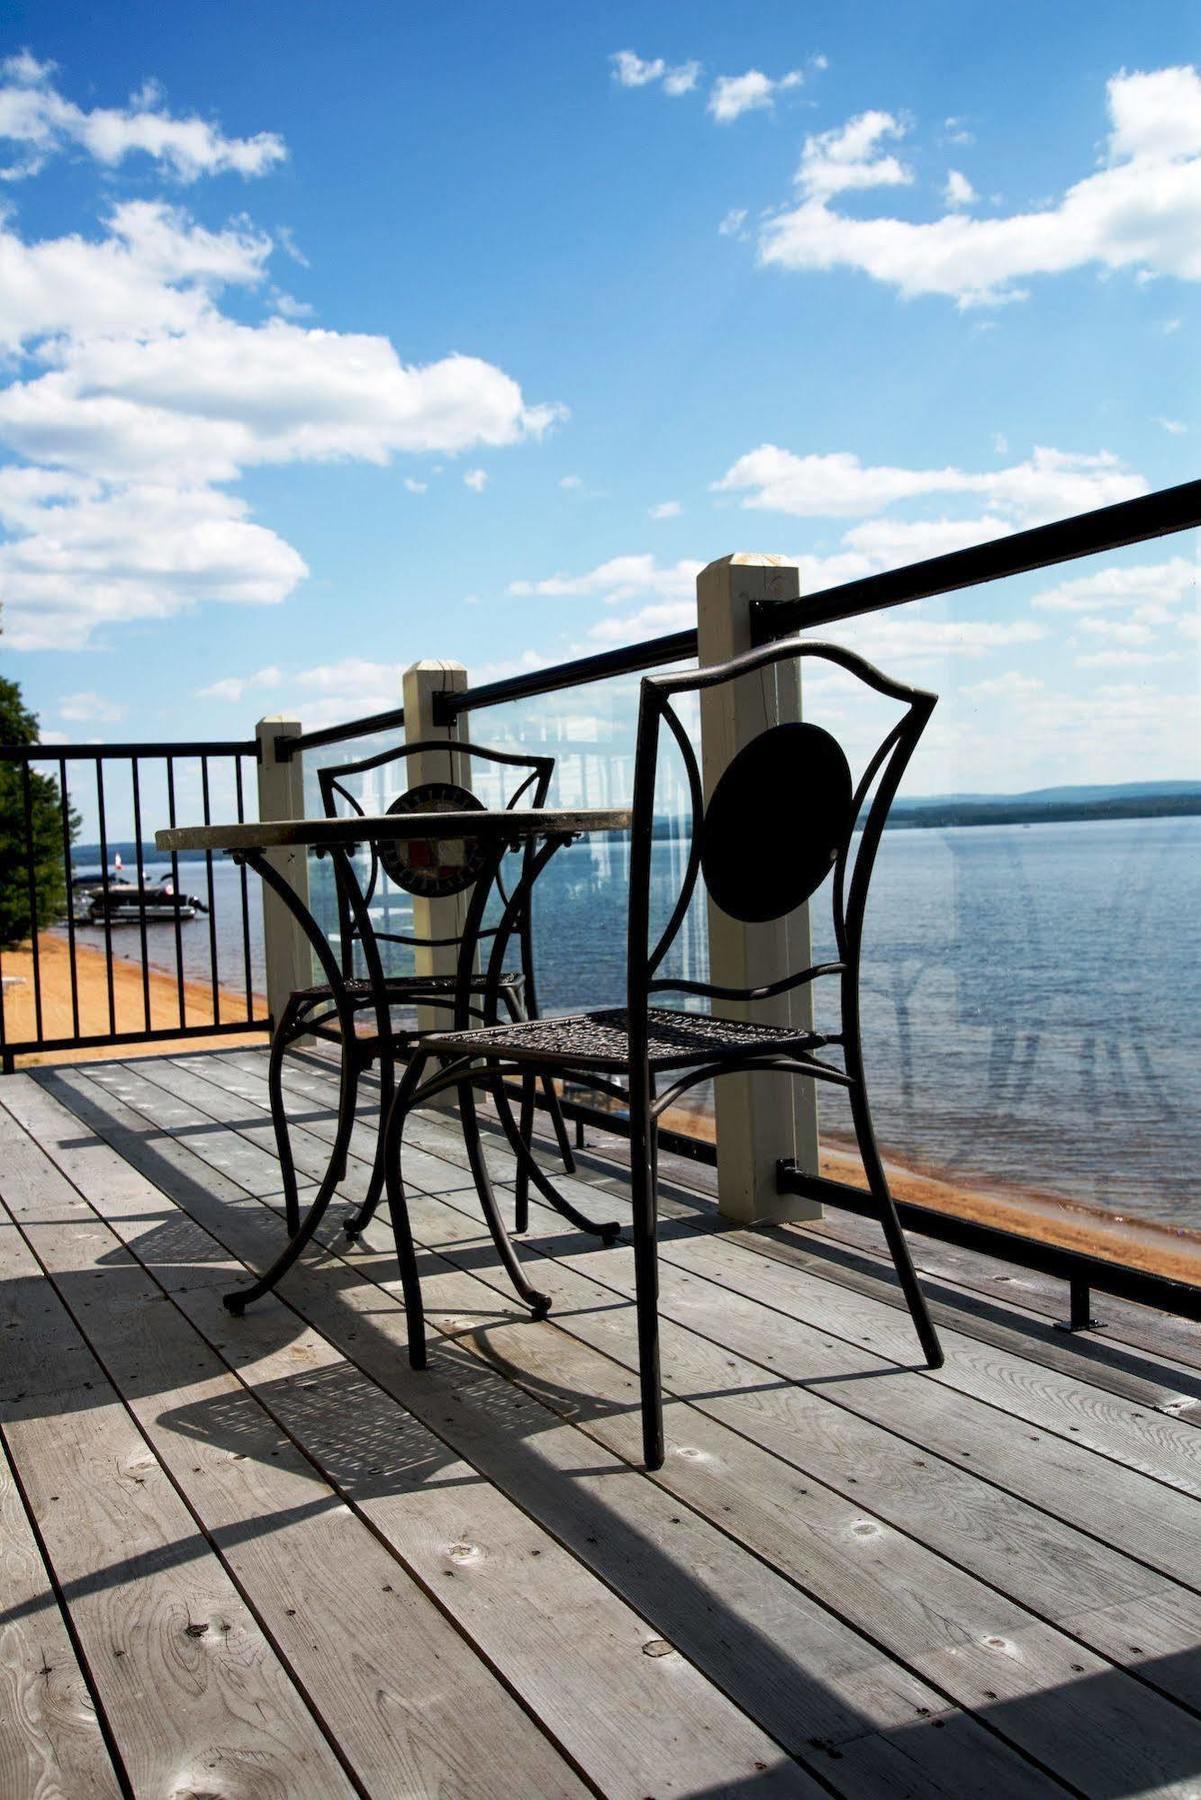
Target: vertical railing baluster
pixel 32 883
pixel 183 1016
pixel 64 800
pixel 245 894
pixel 108 928
pixel 208 864
pixel 137 832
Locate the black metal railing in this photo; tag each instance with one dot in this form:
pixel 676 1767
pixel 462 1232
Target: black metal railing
pixel 82 991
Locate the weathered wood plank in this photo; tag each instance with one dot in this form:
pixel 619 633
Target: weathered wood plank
pixel 1154 1717
pixel 51 1743
pixel 305 1562
pixel 195 1695
pixel 567 1643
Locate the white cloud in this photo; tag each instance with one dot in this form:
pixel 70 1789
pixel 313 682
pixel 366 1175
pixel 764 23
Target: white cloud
pixel 90 708
pixel 571 483
pixel 1050 484
pixel 1161 584
pixel 1141 210
pixel 666 509
pixel 958 190
pixel 138 552
pixel 34 114
pixel 1123 659
pixel 476 480
pixel 733 95
pixel 130 394
pixel 891 543
pixel 846 157
pixel 733 222
pixel 1174 426
pixel 1117 631
pixel 621 578
pixel 632 71
pixel 232 687
pixel 416 487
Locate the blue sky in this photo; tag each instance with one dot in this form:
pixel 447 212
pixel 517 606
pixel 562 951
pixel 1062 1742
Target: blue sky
pixel 339 336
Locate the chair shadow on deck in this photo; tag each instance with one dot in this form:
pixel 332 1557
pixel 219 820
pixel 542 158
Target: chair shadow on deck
pixel 380 1436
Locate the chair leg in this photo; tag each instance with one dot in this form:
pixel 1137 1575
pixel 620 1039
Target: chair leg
pixel 607 1230
pixel 521 1184
pixel 877 1182
pixel 279 1120
pixel 539 1304
pixel 389 1161
pixel 558 1125
pixel 644 1185
pixel 359 1220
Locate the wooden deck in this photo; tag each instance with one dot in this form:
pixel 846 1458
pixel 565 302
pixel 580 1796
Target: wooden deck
pixel 260 1557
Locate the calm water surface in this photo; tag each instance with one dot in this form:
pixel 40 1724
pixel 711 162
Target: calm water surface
pixel 1032 994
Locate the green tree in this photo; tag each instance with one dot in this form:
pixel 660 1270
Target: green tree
pixel 41 843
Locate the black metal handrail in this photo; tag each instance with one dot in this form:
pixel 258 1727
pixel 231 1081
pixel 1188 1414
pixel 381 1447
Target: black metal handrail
pixel 174 1015
pixel 1043 546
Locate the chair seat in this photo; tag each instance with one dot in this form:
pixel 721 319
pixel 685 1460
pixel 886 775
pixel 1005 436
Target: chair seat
pixel 600 1040
pixel 406 987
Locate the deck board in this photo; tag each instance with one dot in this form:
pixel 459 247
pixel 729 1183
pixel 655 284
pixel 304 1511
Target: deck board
pixel 819 1592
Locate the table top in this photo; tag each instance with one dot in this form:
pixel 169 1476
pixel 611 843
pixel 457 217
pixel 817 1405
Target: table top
pixel 341 834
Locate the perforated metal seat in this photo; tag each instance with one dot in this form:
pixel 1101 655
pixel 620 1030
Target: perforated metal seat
pixel 403 987
pixel 601 1040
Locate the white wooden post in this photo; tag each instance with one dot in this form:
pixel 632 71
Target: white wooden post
pixel 760 1119
pixel 281 796
pixel 434 918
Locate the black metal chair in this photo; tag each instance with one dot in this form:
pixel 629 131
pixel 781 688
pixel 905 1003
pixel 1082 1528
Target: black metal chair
pixel 780 820
pixel 314 1011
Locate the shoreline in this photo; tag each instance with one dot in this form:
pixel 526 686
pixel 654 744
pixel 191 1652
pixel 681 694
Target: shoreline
pixel 130 997
pixel 1149 1244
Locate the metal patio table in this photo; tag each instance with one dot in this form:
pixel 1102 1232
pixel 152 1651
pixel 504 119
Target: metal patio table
pixel 487 837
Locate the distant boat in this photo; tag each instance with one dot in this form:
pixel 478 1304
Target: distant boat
pixel 119 902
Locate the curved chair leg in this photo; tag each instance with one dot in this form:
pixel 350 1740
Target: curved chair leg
pixel 389 1162
pixel 521 1184
pixel 559 1126
pixel 608 1230
pixel 644 1183
pixel 877 1182
pixel 240 1298
pixel 539 1304
pixel 279 1120
pixel 359 1220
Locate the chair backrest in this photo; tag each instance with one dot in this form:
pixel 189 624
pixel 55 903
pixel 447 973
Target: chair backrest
pixel 781 819
pixel 448 766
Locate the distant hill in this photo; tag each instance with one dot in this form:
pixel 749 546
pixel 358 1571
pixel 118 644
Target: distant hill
pixel 1120 800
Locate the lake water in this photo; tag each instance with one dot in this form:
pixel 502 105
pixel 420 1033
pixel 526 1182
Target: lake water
pixel 1032 995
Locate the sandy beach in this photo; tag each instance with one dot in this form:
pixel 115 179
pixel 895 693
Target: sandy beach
pixel 130 1000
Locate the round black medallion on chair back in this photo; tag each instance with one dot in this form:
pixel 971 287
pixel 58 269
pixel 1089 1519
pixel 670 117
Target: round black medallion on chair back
pixel 777 822
pixel 781 818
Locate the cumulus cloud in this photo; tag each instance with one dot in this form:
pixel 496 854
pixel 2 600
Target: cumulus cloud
pixel 36 116
pixel 1140 211
pixel 621 578
pixel 733 95
pixel 90 707
pixel 1162 584
pixel 132 397
pixel 1050 484
pixel 958 190
pixel 848 157
pixel 476 480
pixel 632 71
pixel 666 509
pixel 105 554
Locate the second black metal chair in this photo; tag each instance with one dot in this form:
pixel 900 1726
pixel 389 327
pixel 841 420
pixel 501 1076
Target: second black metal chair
pixel 313 1012
pixel 781 820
